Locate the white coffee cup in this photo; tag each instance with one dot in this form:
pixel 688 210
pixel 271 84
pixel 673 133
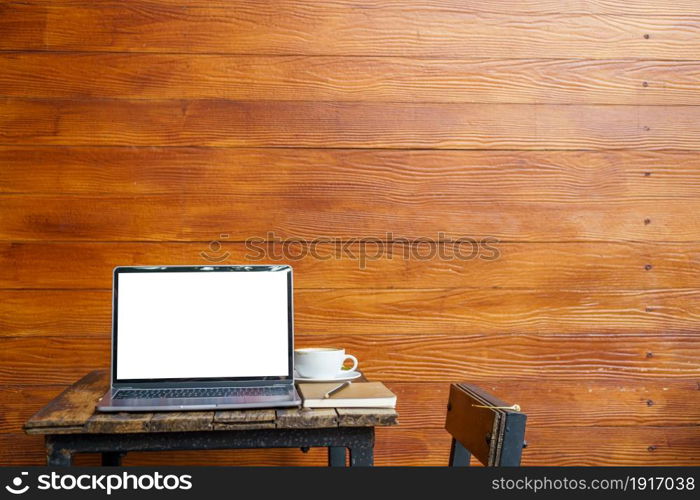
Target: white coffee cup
pixel 321 362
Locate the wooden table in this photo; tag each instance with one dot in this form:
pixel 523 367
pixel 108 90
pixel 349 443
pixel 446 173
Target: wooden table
pixel 71 425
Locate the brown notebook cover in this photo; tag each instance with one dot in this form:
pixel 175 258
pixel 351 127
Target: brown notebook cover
pixel 356 395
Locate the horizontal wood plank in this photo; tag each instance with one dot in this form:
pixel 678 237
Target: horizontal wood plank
pixel 330 78
pixel 346 124
pixel 339 29
pixel 245 417
pixel 118 423
pixel 224 426
pixel 204 218
pixel 421 405
pixel 301 418
pixel 565 404
pixel 20 449
pixel 497 311
pixel 658 8
pixel 642 446
pixel 390 265
pixel 366 417
pixel 376 312
pixel 20 402
pixel 543 357
pixel 389 175
pixel 183 421
pixel 57 361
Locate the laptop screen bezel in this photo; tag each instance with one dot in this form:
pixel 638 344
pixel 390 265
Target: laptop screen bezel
pixel 202 381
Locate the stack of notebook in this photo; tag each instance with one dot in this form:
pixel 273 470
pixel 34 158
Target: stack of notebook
pixel 355 395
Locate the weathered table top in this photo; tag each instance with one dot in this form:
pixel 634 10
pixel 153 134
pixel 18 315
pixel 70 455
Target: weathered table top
pixel 73 412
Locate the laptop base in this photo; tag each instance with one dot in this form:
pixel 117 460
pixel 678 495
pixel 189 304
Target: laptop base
pixel 109 404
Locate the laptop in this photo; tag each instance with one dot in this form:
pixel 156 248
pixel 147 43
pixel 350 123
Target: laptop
pixel 201 338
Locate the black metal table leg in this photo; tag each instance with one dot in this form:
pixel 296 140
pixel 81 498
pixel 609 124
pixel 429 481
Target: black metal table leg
pixel 361 456
pixel 56 454
pixel 459 455
pixel 336 456
pixel 362 450
pixel 112 458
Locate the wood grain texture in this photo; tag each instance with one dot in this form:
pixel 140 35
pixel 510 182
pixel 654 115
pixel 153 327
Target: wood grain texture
pixel 421 405
pixel 346 124
pixel 184 421
pixel 642 446
pixel 564 404
pixel 394 176
pixel 245 417
pixel 302 418
pixel 333 29
pixel 20 402
pixel 365 417
pixel 542 357
pixel 659 8
pixel 542 266
pixel 224 426
pixel 633 445
pixel 74 406
pixel 332 78
pixel 139 132
pixel 412 312
pixel 205 218
pixel 118 423
pixel 495 311
pixel 523 357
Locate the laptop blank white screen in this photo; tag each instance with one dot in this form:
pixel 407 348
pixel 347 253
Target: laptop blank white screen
pixel 210 324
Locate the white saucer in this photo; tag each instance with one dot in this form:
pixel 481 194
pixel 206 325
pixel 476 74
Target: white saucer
pixel 341 377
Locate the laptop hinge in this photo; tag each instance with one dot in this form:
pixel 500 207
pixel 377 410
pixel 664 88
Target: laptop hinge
pixel 202 384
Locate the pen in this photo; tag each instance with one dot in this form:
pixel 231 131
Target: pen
pixel 336 390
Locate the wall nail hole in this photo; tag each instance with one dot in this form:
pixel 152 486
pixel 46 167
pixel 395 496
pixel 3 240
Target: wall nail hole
pixel 646 36
pixel 650 402
pixel 648 267
pixel 650 354
pixel 651 448
pixel 645 84
pixel 647 174
pixel 649 309
pixel 647 222
pixel 646 128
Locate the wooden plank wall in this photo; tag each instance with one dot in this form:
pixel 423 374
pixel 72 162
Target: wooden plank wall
pixel 138 132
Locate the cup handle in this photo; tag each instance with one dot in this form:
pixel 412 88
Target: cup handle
pixel 354 362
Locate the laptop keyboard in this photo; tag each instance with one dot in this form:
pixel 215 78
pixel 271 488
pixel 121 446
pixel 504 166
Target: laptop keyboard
pixel 209 392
